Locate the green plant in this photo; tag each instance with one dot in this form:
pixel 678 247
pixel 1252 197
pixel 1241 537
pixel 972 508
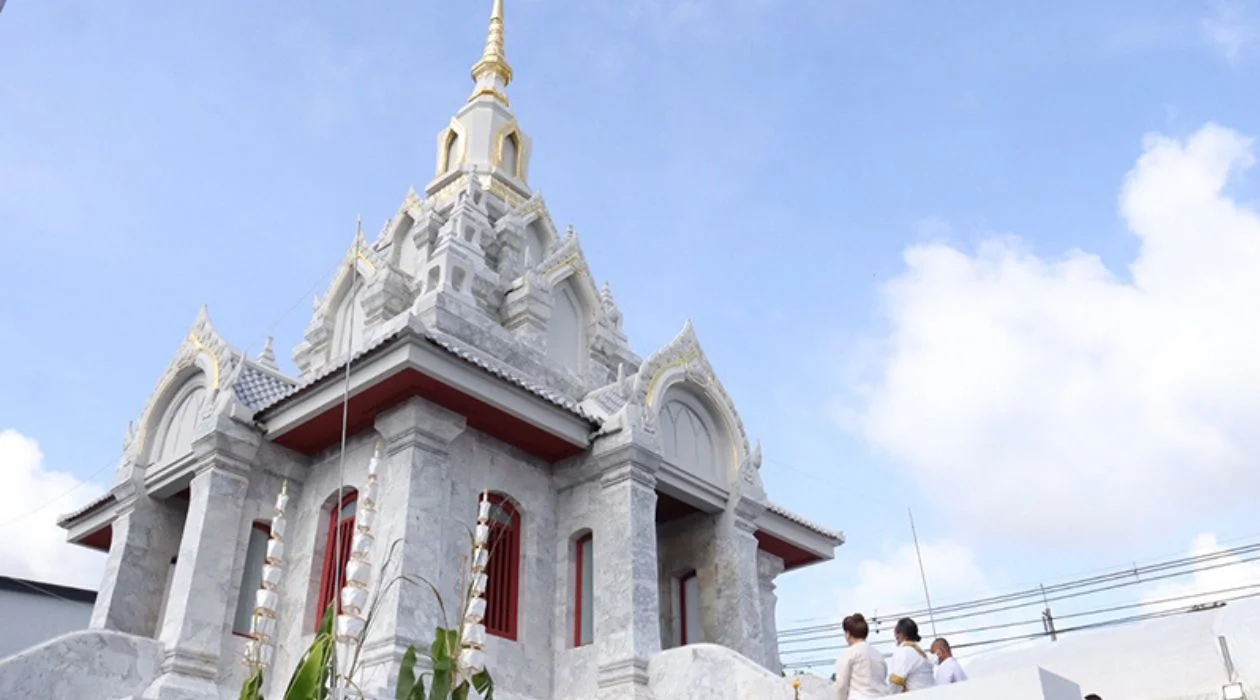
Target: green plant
pixel 456 660
pixel 312 678
pixel 447 682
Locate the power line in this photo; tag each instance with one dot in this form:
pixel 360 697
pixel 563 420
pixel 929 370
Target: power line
pixel 83 482
pixel 88 479
pixel 810 663
pixel 1038 595
pixel 1022 623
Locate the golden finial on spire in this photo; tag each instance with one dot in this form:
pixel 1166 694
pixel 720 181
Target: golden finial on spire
pixel 492 73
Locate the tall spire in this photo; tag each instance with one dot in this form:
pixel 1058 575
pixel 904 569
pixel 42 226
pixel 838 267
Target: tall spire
pixel 492 73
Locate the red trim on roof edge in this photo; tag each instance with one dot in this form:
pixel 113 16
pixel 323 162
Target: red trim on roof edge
pixel 324 430
pixel 793 557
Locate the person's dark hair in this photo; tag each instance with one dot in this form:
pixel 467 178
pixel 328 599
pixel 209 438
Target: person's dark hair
pixel 908 628
pixel 855 626
pixel 944 644
pixel 1091 696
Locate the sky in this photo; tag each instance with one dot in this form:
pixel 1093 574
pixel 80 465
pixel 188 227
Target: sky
pixel 989 261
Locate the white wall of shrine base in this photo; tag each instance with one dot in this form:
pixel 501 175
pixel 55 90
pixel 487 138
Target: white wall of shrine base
pixel 1028 684
pixel 707 671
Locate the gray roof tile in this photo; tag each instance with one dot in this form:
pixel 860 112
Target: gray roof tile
pixel 458 349
pixel 257 387
pixel 789 515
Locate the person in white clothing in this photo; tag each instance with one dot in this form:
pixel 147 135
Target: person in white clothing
pixel 910 668
pixel 860 670
pixel 948 670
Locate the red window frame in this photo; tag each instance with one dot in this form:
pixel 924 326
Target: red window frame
pixel 578 603
pixel 682 607
pixel 504 570
pixel 333 560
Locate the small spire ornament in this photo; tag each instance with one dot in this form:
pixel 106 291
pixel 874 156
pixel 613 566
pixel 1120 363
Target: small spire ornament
pixel 267 358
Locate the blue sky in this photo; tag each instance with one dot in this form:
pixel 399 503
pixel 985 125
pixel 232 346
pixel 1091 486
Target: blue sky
pixel 761 167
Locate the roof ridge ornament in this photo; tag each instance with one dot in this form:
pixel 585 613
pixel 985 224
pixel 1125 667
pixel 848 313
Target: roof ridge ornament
pixel 492 74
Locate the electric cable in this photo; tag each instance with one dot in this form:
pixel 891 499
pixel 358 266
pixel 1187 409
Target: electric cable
pixel 984 605
pixel 812 663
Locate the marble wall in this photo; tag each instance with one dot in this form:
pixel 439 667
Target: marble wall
pixel 428 505
pixel 88 664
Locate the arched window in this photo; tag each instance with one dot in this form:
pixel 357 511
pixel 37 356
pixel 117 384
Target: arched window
pixel 565 329
pixel 453 146
pixel 584 590
pixel 251 579
pixel 503 573
pixel 689 435
pixel 180 422
pixel 511 154
pixel 336 553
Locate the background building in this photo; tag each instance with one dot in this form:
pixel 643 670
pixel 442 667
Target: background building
pixel 34 612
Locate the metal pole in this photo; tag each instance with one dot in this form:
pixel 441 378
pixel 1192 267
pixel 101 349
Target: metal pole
pixel 922 573
pixel 1049 617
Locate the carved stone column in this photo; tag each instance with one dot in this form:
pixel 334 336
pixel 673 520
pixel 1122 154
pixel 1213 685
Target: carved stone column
pixel 737 593
pixel 196 610
pixel 144 539
pixel 768 569
pixel 412 532
pixel 627 617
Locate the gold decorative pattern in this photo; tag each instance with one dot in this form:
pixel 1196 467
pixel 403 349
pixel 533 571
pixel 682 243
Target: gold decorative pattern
pixel 491 92
pixel 500 139
pixel 201 347
pixel 681 362
pixel 453 130
pixel 450 189
pixel 493 61
pixel 684 353
pixel 574 259
pixel 505 193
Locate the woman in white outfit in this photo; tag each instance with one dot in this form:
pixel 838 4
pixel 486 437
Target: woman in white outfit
pixel 910 668
pixel 860 670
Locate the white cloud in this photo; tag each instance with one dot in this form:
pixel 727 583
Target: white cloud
pixel 1045 400
pixel 1231 27
pixel 1217 577
pixel 31 544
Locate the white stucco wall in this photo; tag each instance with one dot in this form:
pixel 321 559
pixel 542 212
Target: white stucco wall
pixel 709 671
pixel 31 618
pixel 1174 658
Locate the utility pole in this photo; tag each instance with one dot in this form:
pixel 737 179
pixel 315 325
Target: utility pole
pixel 922 573
pixel 1047 618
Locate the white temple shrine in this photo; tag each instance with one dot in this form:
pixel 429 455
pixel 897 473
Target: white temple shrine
pixel 469 340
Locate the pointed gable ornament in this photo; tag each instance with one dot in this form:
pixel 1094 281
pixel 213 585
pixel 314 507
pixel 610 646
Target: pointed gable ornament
pixel 683 360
